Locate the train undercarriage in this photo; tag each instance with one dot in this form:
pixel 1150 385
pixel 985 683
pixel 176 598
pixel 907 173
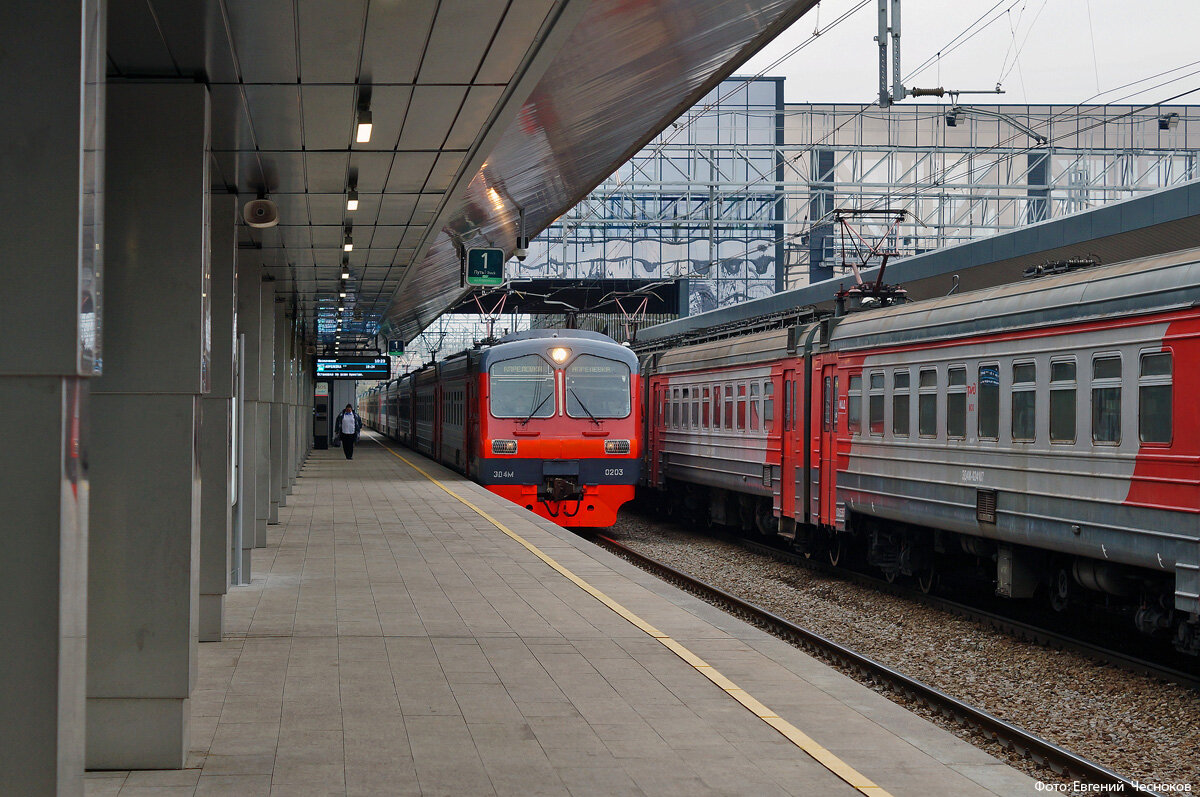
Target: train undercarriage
pixel 1053 583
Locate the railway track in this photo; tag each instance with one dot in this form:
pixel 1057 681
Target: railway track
pixel 1000 622
pixel 1037 749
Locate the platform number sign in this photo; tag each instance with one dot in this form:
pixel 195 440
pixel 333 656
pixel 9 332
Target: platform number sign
pixel 485 266
pixel 395 347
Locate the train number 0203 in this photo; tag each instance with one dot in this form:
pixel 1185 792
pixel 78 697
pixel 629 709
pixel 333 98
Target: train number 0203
pixel 614 471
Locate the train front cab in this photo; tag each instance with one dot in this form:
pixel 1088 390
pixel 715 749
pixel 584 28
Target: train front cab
pixel 558 425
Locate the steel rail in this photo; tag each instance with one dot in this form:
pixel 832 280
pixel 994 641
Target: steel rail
pixel 1010 736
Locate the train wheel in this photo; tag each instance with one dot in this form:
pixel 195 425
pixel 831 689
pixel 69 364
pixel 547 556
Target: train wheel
pixel 1060 590
pixel 926 579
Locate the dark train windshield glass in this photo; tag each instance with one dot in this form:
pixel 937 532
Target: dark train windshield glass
pixel 522 387
pixel 597 387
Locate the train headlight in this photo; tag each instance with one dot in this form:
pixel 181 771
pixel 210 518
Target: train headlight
pixel 560 354
pixel 504 446
pixel 616 446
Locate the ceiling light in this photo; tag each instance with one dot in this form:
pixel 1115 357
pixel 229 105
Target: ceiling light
pixel 363 134
pixel 342 294
pixel 341 309
pixel 345 273
pixel 348 246
pixel 352 200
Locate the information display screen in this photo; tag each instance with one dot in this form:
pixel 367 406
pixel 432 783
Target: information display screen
pixel 353 366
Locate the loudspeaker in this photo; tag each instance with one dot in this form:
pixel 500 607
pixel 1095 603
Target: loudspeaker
pixel 261 213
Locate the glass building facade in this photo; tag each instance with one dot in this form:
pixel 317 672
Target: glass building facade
pixel 701 202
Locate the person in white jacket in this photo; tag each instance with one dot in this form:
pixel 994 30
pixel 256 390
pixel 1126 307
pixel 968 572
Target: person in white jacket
pixel 347 427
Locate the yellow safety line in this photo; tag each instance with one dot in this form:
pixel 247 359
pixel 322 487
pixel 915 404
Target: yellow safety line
pixel 793 734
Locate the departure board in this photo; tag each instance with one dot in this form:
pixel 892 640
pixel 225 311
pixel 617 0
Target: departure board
pixel 353 366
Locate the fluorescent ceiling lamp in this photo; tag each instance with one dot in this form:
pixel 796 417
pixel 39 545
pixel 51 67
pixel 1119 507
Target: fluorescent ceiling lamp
pixel 363 133
pixel 352 200
pixel 348 246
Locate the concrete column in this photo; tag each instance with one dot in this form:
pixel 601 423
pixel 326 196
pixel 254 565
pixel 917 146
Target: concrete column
pixel 250 287
pixel 143 574
pixel 266 393
pixel 279 418
pixel 51 233
pixel 216 430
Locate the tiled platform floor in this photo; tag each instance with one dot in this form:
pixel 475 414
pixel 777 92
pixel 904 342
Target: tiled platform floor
pixel 395 642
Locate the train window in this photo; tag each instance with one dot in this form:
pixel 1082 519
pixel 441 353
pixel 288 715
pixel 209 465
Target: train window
pixel 674 408
pixel 956 402
pixel 1154 398
pixel 1106 399
pixel 827 406
pixel 989 402
pixel 854 404
pixel 1062 402
pixel 704 408
pixel 1024 402
pixel 755 411
pixel 927 403
pixel 875 404
pixel 900 403
pixel 522 387
pixel 768 404
pixel 728 406
pixel 597 387
pixel 695 407
pixel 686 407
pixel 787 403
pixel 741 407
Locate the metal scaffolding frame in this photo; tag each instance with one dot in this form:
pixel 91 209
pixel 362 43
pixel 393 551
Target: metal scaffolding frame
pixel 958 179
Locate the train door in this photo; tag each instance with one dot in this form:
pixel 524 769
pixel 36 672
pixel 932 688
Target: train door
pixel 791 445
pixel 829 423
pixel 655 448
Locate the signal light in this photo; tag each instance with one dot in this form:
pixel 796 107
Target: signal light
pixel 560 354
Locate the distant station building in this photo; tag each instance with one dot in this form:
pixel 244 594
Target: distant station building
pixel 738 198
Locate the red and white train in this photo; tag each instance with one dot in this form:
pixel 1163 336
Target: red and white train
pixel 549 420
pixel 1043 431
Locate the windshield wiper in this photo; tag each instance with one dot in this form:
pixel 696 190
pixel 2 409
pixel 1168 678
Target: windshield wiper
pixel 581 404
pixel 538 407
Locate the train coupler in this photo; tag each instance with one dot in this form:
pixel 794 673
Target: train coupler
pixel 560 489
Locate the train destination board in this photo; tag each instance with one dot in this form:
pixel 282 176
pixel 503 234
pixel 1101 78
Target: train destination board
pixel 353 366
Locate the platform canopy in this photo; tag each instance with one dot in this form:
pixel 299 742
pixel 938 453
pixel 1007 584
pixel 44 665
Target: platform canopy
pixel 481 110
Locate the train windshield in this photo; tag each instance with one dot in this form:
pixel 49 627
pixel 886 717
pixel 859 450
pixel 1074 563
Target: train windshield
pixel 597 388
pixel 522 387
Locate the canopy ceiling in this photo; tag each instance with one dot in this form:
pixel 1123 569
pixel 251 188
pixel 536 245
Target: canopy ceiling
pixel 481 109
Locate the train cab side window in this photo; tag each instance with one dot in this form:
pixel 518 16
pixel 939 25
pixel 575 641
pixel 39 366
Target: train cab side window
pixel 956 403
pixel 1154 397
pixel 704 406
pixel 1106 399
pixel 900 403
pixel 1024 402
pixel 854 405
pixel 729 406
pixel 989 402
pixel 927 403
pixel 875 404
pixel 1062 401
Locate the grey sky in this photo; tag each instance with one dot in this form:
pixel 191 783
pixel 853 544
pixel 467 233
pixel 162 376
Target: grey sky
pixel 1055 64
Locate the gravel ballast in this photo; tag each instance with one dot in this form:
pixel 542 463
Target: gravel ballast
pixel 1138 726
